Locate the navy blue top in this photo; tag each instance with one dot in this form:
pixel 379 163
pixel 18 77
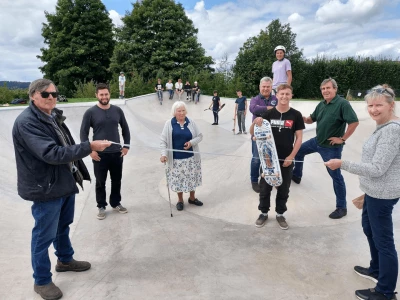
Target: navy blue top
pixel 181 135
pixel 215 101
pixel 241 103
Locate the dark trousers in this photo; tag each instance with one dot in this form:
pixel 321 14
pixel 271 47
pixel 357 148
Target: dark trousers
pixel 241 119
pixel 215 112
pixel 52 220
pixel 311 146
pixel 255 162
pixel 378 227
pixel 282 194
pixel 109 162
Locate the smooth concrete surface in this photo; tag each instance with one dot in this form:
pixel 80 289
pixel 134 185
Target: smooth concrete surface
pixel 208 252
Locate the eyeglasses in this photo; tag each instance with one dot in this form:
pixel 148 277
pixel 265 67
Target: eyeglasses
pixel 47 94
pixel 382 91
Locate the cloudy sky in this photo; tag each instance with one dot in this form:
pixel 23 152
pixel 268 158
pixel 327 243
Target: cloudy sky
pixel 331 27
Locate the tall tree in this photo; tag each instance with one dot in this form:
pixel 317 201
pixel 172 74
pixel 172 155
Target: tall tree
pixel 158 38
pixel 79 38
pixel 256 56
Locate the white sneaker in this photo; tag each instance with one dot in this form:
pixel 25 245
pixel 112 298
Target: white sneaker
pixel 121 209
pixel 101 214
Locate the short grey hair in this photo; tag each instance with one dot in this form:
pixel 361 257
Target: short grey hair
pixel 39 85
pixel 381 90
pixel 176 105
pixel 334 83
pixel 266 78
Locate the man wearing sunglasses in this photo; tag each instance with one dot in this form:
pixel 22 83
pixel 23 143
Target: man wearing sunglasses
pixel 49 165
pixel 332 115
pixel 105 120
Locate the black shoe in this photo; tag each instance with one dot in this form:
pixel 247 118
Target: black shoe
pixel 196 202
pixel 371 294
pixel 296 179
pixel 364 272
pixel 338 213
pixel 255 187
pixel 179 206
pixel 214 124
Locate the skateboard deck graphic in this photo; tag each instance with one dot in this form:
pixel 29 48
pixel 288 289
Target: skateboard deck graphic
pixel 268 155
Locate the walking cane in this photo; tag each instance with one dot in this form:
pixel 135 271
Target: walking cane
pixel 169 196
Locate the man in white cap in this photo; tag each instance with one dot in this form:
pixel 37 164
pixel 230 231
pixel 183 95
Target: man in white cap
pixel 121 81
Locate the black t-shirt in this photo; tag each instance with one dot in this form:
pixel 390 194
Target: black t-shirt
pixel 284 127
pixel 195 88
pixel 159 86
pixel 215 101
pixel 187 87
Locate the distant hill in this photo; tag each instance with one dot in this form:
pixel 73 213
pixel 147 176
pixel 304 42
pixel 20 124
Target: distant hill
pixel 15 84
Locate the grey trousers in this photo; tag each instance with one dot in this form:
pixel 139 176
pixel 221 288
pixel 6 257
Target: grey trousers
pixel 241 118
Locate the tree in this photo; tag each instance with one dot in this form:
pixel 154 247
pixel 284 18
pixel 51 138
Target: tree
pixel 256 56
pixel 80 43
pixel 158 38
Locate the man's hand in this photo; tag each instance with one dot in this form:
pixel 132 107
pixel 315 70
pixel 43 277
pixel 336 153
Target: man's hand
pixel 307 120
pixel 288 161
pixel 187 145
pixel 163 159
pixel 124 151
pixel 99 145
pixel 95 156
pixel 335 140
pixel 258 121
pixel 333 164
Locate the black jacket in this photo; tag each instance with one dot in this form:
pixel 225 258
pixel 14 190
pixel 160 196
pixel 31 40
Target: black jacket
pixel 43 163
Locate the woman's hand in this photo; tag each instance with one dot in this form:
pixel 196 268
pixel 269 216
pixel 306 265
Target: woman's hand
pixel 187 145
pixel 163 159
pixel 258 121
pixel 333 164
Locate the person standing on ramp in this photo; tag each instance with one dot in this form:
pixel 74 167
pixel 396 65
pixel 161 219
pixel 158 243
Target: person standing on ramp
pixel 105 118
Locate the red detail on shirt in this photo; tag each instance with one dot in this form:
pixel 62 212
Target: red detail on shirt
pixel 288 123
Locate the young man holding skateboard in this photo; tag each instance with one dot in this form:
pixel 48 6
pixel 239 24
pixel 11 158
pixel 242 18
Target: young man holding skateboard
pixel 287 127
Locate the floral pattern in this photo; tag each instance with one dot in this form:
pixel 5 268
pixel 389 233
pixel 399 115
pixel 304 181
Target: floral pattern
pixel 185 175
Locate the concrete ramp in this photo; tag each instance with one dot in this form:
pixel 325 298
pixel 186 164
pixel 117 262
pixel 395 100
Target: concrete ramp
pixel 208 252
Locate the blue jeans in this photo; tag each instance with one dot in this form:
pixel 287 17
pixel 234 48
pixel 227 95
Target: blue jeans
pixel 255 163
pixel 52 220
pixel 171 94
pixel 378 227
pixel 311 146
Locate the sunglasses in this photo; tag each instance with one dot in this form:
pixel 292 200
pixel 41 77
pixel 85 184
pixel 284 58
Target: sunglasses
pixel 382 91
pixel 47 94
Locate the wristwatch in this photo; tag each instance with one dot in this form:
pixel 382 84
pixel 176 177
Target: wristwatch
pixel 342 139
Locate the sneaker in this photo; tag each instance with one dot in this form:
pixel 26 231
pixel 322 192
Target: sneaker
pixel 338 213
pixel 282 222
pixel 121 209
pixel 213 123
pixel 260 222
pixel 296 179
pixel 239 132
pixel 244 132
pixel 73 265
pixel 372 294
pixel 101 214
pixel 364 272
pixel 255 187
pixel 48 291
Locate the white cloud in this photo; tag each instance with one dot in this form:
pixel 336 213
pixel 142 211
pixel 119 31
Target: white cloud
pixel 295 17
pixel 353 11
pixel 116 18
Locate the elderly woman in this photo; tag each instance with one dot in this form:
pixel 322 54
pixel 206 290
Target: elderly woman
pixel 379 173
pixel 184 167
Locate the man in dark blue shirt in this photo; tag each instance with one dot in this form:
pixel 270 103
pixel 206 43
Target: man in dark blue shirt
pixel 104 118
pixel 240 111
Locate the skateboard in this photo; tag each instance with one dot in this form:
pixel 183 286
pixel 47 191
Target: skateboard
pixel 268 155
pixel 160 96
pixel 222 106
pixel 234 124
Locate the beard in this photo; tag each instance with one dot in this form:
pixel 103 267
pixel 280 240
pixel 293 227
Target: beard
pixel 104 101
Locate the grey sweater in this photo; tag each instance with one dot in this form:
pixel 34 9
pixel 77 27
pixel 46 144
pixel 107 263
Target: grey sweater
pixel 166 141
pixel 379 169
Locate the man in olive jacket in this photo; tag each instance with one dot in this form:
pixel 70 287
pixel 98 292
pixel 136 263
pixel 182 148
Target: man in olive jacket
pixel 48 167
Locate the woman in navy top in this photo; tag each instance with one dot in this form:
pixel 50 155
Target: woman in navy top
pixel 184 165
